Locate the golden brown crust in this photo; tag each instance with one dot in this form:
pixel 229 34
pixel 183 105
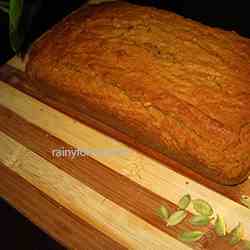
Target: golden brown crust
pixel 178 86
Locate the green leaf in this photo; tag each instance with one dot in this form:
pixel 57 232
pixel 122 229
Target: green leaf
pixel 176 218
pixel 199 220
pixel 4 9
pixel 163 212
pixel 202 207
pixel 220 226
pixel 184 201
pixel 15 32
pixel 16 39
pixel 236 234
pixel 4 6
pixel 245 200
pixel 15 12
pixel 191 236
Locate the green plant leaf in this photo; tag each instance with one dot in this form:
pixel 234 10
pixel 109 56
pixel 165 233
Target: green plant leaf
pixel 4 6
pixel 236 234
pixel 176 218
pixel 15 32
pixel 199 220
pixel 4 9
pixel 245 200
pixel 191 236
pixel 16 40
pixel 202 207
pixel 220 226
pixel 163 212
pixel 184 201
pixel 15 12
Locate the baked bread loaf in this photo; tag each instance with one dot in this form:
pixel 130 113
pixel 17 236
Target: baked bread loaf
pixel 177 86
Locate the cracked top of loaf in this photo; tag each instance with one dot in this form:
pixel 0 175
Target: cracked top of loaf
pixel 173 83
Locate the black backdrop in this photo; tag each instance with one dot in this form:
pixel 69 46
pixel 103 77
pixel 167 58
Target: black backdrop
pixel 42 14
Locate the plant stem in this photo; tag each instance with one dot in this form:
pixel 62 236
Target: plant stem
pixel 4 6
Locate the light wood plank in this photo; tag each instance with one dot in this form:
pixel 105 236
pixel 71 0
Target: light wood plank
pixel 51 216
pixel 18 79
pixel 103 214
pixel 147 172
pixel 95 175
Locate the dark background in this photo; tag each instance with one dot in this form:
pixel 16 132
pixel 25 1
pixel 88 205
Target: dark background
pixel 39 15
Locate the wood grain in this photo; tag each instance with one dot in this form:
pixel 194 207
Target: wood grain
pixel 82 201
pixel 135 165
pixel 50 216
pixel 40 129
pixel 97 176
pixel 16 78
pixel 143 203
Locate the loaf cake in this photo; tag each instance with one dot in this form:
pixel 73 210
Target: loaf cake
pixel 175 85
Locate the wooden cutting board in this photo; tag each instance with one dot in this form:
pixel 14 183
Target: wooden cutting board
pixel 101 201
